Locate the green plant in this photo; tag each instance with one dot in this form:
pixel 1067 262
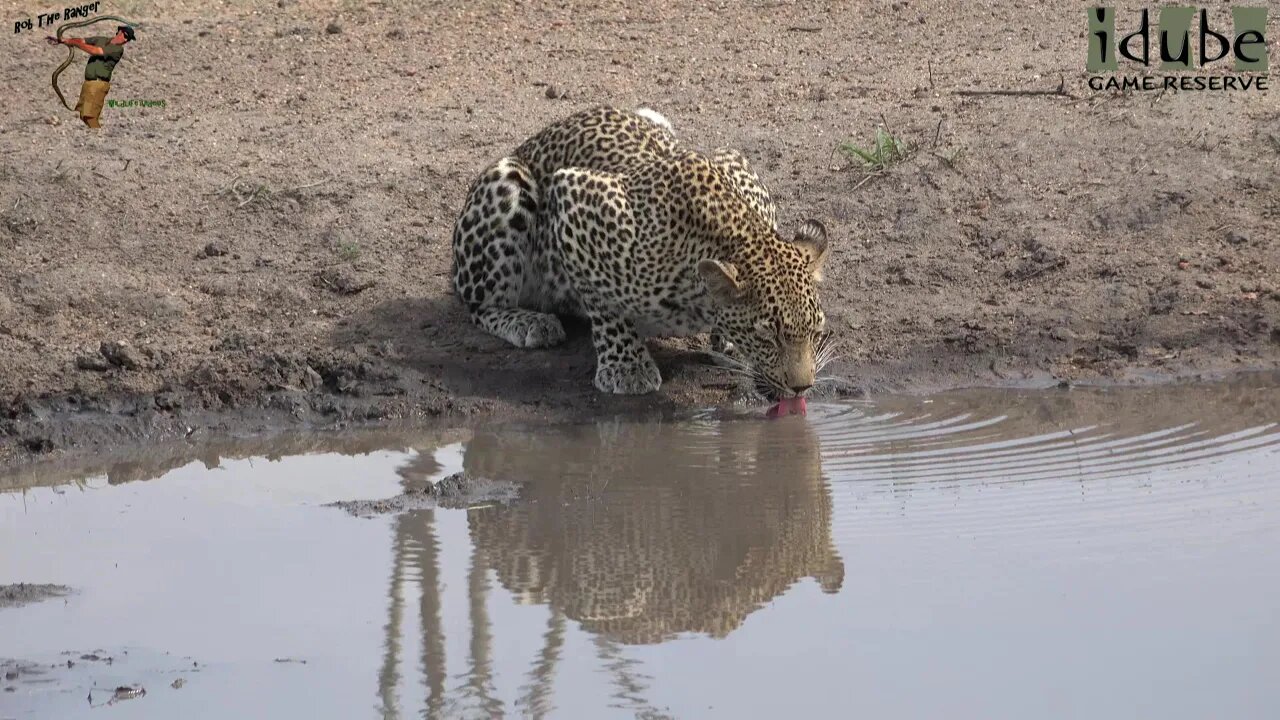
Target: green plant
pixel 884 151
pixel 349 251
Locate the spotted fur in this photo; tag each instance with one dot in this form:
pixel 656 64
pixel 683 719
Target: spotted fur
pixel 605 215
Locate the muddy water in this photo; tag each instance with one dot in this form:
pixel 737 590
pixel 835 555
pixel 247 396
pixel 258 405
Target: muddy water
pixel 1081 553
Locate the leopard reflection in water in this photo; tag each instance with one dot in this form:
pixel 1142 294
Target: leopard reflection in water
pixel 640 532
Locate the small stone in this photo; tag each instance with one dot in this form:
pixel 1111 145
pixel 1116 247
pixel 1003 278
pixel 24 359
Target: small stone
pixel 1236 238
pixel 213 249
pixel 1205 283
pixel 311 379
pixel 96 363
pixel 343 281
pixel 554 92
pixel 177 684
pixel 168 401
pixel 333 28
pixel 121 354
pixel 1062 333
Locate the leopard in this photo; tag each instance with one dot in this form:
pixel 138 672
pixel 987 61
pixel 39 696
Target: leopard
pixel 605 215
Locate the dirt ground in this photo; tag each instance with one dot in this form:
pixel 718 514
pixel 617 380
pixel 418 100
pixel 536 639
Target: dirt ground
pixel 272 245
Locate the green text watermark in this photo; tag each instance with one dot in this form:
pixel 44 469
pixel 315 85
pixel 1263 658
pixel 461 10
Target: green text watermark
pixel 135 103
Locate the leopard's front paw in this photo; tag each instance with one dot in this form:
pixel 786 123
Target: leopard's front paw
pixel 529 329
pixel 543 330
pixel 629 379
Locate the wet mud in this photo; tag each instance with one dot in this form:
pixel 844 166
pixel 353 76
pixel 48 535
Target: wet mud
pixel 18 594
pixel 458 491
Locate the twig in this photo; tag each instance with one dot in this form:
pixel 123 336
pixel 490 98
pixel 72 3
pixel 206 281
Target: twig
pixel 885 121
pixel 866 180
pixel 318 182
pixel 937 132
pixel 805 28
pixel 1061 91
pixel 930 61
pixel 228 188
pixel 253 195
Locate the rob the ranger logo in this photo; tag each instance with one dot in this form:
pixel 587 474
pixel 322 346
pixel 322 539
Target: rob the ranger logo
pixel 1177 48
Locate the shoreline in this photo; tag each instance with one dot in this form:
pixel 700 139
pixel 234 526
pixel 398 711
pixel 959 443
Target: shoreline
pixel 80 430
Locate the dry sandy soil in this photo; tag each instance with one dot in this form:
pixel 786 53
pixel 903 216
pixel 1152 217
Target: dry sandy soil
pixel 272 244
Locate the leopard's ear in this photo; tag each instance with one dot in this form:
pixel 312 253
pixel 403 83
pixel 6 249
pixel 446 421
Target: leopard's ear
pixel 812 239
pixel 721 280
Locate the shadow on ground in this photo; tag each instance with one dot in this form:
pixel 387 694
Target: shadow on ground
pixel 434 337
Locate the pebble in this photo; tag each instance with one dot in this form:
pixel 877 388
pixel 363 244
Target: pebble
pixel 121 354
pixel 96 363
pixel 213 249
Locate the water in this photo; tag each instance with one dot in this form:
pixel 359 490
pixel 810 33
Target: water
pixel 1083 553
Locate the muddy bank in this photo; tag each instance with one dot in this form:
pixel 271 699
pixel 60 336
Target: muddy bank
pixel 272 250
pixel 74 427
pixel 1248 399
pixel 19 594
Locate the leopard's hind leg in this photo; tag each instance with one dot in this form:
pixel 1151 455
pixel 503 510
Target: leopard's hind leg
pixel 493 257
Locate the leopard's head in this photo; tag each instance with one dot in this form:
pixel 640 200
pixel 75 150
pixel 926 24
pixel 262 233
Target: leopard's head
pixel 767 306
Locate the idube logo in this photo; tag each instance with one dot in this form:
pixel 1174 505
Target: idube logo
pixel 1178 49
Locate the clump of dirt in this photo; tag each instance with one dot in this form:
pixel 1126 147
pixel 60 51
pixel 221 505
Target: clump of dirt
pixel 20 594
pixel 455 492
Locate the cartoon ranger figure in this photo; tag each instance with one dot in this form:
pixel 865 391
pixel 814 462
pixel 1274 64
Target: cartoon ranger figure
pixel 104 52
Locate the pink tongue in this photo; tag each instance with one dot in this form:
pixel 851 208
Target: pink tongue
pixel 787 406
